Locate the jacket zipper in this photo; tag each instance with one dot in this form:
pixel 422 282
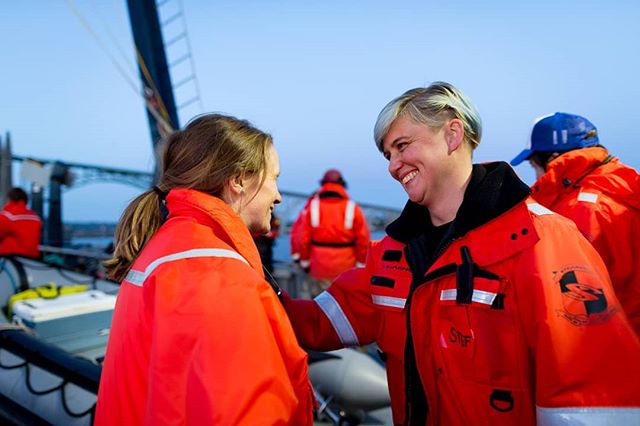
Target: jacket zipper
pixel 414 285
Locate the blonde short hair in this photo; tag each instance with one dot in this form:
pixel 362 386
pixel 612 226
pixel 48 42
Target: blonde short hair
pixel 432 106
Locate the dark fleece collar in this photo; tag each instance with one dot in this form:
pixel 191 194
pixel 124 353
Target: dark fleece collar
pixel 493 189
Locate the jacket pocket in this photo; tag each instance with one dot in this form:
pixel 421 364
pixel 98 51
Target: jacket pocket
pixel 480 404
pixel 478 341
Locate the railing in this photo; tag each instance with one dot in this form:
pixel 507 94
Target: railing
pixel 377 216
pixel 75 252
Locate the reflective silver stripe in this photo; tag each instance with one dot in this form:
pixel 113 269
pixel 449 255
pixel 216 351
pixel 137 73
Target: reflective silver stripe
pixel 479 296
pixel 339 320
pixel 135 277
pixel 589 197
pixel 14 217
pixel 565 136
pixel 349 213
pixel 395 302
pixel 315 212
pixel 555 137
pixel 448 294
pixel 538 209
pixel 138 277
pixel 592 416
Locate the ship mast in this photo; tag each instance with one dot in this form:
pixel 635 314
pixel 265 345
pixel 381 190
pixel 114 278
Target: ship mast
pixel 154 71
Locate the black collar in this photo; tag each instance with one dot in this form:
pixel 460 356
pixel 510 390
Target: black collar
pixel 494 188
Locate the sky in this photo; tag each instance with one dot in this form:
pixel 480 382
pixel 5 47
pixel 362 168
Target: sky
pixel 315 75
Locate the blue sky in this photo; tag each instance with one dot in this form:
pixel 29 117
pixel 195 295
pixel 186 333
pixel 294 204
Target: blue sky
pixel 315 75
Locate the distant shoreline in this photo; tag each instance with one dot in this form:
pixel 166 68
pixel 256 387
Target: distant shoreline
pixel 89 229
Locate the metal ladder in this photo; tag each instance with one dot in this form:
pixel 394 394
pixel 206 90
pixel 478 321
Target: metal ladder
pixel 177 46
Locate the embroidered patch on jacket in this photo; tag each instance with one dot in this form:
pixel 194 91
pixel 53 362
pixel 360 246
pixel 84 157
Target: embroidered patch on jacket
pixel 583 300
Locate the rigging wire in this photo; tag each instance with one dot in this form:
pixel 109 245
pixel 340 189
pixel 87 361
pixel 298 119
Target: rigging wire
pixel 97 39
pixel 152 86
pixel 114 40
pixel 149 98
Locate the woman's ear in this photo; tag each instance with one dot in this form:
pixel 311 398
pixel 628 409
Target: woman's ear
pixel 233 193
pixel 235 185
pixel 454 134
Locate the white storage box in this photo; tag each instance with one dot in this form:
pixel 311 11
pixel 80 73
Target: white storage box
pixel 75 322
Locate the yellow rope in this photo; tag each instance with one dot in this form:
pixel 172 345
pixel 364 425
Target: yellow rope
pixel 152 86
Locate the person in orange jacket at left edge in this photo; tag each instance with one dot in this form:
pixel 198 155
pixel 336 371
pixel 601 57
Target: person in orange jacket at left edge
pixel 198 335
pixel 20 227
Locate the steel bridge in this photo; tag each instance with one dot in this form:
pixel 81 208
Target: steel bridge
pixel 77 175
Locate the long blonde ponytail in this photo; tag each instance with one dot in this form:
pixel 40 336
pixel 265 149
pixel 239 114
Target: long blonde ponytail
pixel 140 220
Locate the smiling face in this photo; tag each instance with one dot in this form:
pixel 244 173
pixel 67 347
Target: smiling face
pixel 419 159
pixel 256 211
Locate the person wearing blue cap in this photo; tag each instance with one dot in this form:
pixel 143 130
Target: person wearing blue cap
pixel 579 179
pixel 488 308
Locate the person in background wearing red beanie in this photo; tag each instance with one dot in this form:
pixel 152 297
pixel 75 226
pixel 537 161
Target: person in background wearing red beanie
pixel 331 233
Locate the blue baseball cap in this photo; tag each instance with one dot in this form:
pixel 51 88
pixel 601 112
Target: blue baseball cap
pixel 559 132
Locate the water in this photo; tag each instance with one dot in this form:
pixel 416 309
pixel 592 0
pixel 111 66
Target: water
pixel 98 243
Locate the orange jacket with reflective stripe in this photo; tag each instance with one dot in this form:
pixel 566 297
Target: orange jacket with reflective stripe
pixel 602 196
pixel 294 232
pixel 543 337
pixel 198 336
pixel 538 335
pixel 362 306
pixel 333 233
pixel 517 323
pixel 20 230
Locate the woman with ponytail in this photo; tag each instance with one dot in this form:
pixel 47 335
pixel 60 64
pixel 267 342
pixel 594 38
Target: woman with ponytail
pixel 198 336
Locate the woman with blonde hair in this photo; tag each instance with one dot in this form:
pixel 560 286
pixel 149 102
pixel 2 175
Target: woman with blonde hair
pixel 489 309
pixel 198 335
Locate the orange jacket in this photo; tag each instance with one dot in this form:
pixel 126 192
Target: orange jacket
pixel 541 337
pixel 362 306
pixel 198 336
pixel 20 230
pixel 537 335
pixel 602 196
pixel 296 228
pixel 333 233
